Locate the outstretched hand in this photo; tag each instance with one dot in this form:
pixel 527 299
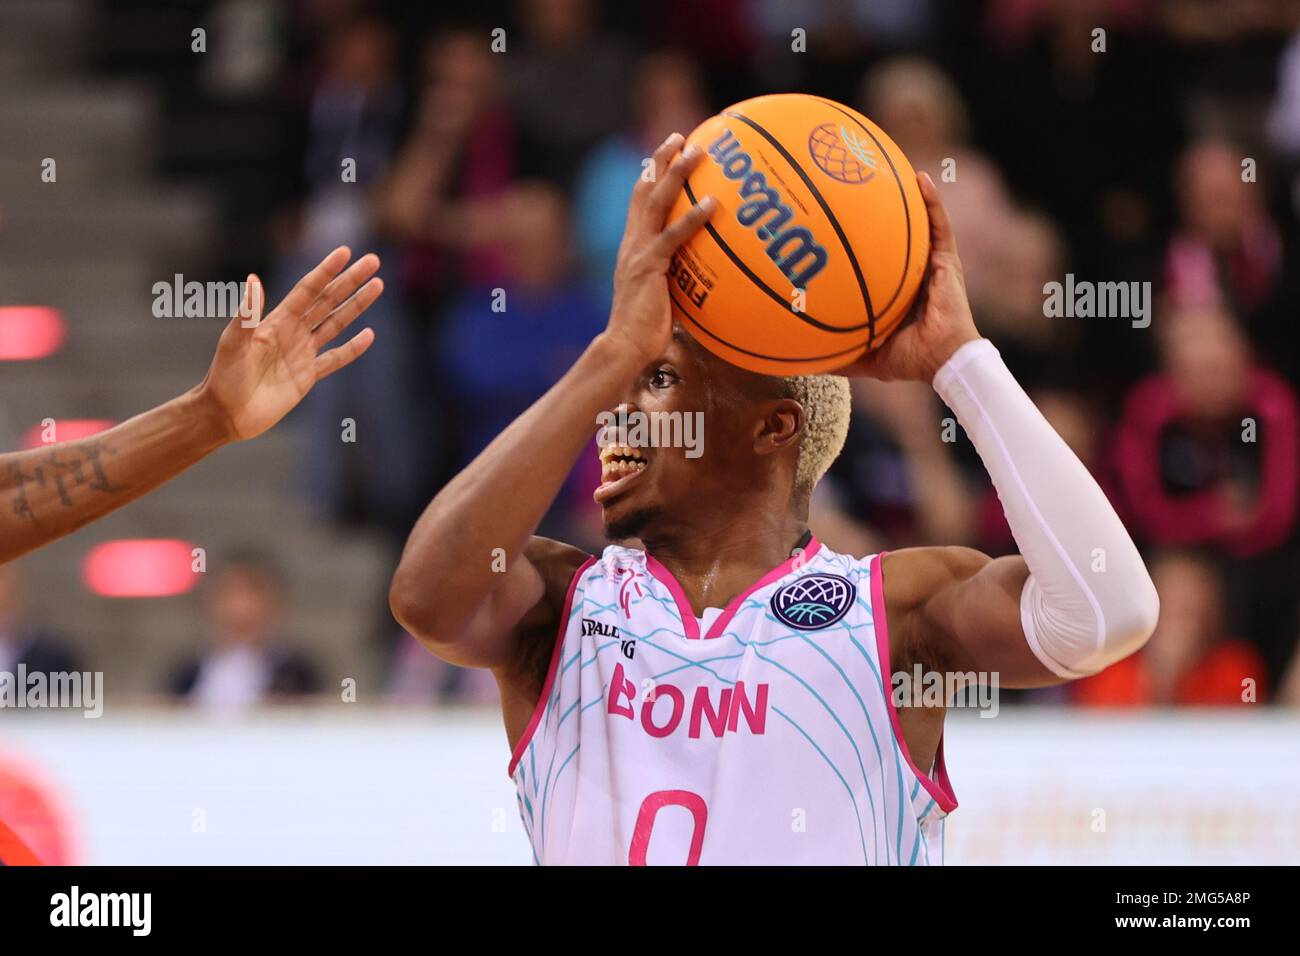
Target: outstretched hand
pixel 940 320
pixel 640 318
pixel 265 365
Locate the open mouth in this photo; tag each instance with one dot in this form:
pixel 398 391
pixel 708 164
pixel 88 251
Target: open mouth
pixel 620 465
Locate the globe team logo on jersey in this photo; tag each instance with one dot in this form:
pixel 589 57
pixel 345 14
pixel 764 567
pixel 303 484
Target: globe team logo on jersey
pixel 814 601
pixel 842 154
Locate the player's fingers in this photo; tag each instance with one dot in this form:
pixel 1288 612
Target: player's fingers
pixel 670 185
pixel 941 235
pixel 685 226
pixel 659 164
pixel 311 285
pixel 249 315
pixel 346 314
pixel 327 363
pixel 342 286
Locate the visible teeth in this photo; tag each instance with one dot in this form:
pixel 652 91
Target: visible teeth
pixel 618 469
pixel 619 451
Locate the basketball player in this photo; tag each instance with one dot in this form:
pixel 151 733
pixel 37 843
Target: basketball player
pixel 724 695
pixel 262 369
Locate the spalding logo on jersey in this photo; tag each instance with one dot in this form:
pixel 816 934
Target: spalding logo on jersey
pixel 814 601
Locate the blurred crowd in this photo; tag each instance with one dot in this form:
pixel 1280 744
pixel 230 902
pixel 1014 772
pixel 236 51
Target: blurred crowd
pixel 1165 149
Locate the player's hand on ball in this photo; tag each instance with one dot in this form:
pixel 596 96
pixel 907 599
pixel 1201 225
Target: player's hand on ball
pixel 265 365
pixel 640 320
pixel 940 321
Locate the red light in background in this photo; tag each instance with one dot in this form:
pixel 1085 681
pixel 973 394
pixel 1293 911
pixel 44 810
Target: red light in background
pixel 36 814
pixel 140 567
pixel 30 332
pixel 66 429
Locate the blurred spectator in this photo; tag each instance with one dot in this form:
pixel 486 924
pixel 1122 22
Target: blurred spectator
pixel 1226 252
pixel 419 678
pixel 355 116
pixel 667 98
pixel 844 34
pixel 1284 114
pixel 1207 450
pixel 1191 660
pixel 435 202
pixel 1010 308
pixel 897 474
pixel 247 660
pixel 1289 691
pixel 501 349
pixel 568 85
pixel 919 107
pixel 23 640
pixel 1103 172
pixel 721 42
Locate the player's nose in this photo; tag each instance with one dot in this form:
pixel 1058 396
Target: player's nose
pixel 615 424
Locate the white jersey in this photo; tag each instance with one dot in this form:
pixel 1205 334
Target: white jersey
pixel 764 737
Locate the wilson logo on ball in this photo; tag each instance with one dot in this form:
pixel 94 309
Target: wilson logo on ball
pixel 794 250
pixel 814 601
pixel 842 154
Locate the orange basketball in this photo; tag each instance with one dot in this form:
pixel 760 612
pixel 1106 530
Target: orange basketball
pixel 818 244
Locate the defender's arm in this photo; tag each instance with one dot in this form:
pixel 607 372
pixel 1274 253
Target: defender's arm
pixel 262 369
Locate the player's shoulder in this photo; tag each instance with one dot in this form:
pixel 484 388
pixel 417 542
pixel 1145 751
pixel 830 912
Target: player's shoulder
pixel 556 562
pixel 913 575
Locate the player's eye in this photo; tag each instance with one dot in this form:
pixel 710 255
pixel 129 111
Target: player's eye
pixel 662 377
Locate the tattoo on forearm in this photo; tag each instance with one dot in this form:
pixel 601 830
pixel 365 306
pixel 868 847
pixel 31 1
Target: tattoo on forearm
pixel 63 470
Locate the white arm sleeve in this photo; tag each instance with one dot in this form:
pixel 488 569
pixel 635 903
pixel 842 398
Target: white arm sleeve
pixel 1088 601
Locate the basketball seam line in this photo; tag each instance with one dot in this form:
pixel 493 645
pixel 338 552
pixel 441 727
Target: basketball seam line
pixel 763 286
pixel 830 217
pixel 770 358
pixel 907 212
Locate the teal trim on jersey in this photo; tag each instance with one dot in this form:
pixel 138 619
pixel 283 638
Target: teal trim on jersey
pixel 875 741
pixel 721 657
pixel 897 748
pixel 682 667
pixel 541 813
pixel 700 664
pixel 898 753
pixel 603 691
pixel 848 736
pixel 847 789
pixel 687 660
pixel 746 619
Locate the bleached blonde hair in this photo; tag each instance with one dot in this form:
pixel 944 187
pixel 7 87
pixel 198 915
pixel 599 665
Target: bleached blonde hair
pixel 827 404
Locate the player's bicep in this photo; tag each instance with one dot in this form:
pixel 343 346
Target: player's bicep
pixel 522 603
pixel 967 607
pixel 486 638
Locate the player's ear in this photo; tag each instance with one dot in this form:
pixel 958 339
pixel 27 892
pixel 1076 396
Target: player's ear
pixel 780 426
